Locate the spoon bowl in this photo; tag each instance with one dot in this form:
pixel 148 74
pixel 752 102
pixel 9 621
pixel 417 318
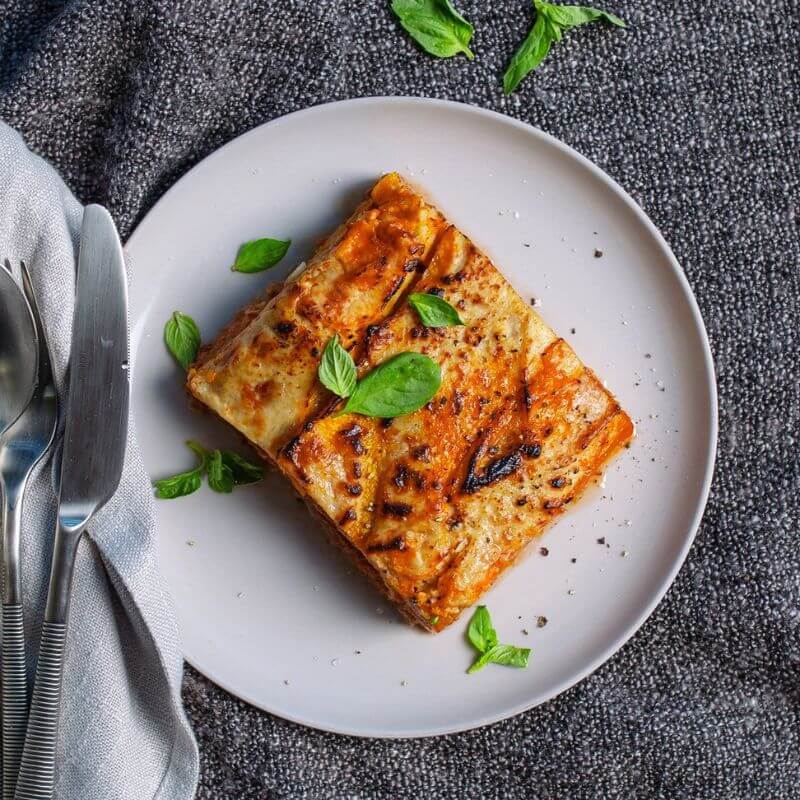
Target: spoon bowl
pixel 19 357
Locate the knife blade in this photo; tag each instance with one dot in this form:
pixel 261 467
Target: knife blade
pixel 91 467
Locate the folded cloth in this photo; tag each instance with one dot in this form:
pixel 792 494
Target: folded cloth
pixel 123 731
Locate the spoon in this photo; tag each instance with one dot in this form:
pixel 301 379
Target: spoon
pixel 19 358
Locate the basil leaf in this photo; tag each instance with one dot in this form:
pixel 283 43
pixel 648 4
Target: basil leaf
pixel 220 476
pixel 530 54
pixel 198 450
pixel 336 370
pixel 260 254
pixel 479 663
pixel 551 21
pixel 434 312
pixel 483 638
pixel 242 471
pixel 400 385
pixel 571 16
pixel 178 485
pixel 480 632
pixel 185 482
pixel 505 654
pixel 436 26
pixel 509 656
pixel 182 337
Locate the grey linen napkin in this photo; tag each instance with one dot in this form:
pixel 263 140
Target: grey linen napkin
pixel 123 731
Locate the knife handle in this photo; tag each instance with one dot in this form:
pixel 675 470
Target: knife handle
pixel 15 695
pixel 37 770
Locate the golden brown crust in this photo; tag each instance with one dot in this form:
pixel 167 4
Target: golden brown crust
pixel 436 504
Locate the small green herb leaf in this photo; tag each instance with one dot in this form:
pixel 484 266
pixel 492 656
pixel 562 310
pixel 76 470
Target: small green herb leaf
pixel 434 312
pixel 436 26
pixel 243 471
pixel 220 476
pixel 182 337
pixel 530 54
pixel 509 656
pixel 551 21
pixel 178 485
pixel 571 16
pixel 185 482
pixel 483 638
pixel 505 654
pixel 337 371
pixel 260 254
pixel 224 469
pixel 480 632
pixel 400 385
pixel 479 663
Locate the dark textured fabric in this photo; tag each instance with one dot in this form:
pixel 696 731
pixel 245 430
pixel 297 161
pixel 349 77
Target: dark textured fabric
pixel 695 110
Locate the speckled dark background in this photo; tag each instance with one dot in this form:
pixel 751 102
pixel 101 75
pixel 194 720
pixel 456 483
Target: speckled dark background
pixel 695 110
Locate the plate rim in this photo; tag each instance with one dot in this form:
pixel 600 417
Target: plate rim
pixel 573 678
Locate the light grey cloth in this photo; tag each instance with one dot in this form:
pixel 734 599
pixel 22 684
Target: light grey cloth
pixel 123 731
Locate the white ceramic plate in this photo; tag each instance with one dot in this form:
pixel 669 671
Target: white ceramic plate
pixel 268 610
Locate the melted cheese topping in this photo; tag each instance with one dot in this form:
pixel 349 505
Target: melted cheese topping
pixel 441 501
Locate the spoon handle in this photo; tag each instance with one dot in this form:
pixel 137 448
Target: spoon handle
pixel 14 691
pixel 15 696
pixel 37 770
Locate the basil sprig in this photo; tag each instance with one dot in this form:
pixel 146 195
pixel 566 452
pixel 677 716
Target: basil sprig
pixel 434 311
pixel 260 254
pixel 483 637
pixel 551 22
pixel 223 468
pixel 400 385
pixel 337 371
pixel 436 26
pixel 182 337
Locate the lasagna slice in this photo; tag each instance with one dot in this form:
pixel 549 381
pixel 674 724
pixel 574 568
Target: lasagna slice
pixel 433 505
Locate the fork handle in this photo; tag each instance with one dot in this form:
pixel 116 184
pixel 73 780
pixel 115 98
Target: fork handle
pixel 37 770
pixel 15 695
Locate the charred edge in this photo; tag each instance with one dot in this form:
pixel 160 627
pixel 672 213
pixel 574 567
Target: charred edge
pixel 401 476
pixel 455 278
pixel 348 516
pixel 290 452
pixel 351 430
pixel 382 547
pixel 393 289
pixel 526 394
pixel 285 328
pixel 401 510
pixel 414 265
pixel 458 402
pixel 436 291
pixel 496 470
pixel 531 450
pixel 422 453
pixel 371 332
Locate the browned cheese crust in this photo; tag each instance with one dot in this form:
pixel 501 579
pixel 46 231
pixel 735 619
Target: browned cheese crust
pixel 436 504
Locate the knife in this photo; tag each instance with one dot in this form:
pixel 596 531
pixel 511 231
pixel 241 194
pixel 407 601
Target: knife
pixel 91 466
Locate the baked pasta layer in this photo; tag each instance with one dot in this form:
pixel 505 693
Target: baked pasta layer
pixel 434 504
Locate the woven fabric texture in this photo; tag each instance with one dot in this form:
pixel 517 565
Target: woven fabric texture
pixel 694 110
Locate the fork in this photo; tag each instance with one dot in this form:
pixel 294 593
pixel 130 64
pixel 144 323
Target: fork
pixel 22 447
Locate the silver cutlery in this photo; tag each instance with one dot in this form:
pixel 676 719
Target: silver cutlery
pixel 91 466
pixel 23 446
pixel 18 352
